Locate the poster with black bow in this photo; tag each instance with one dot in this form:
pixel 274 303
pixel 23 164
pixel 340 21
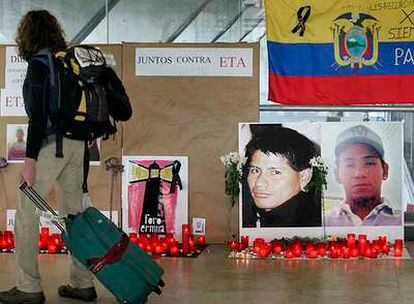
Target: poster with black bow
pixel 155 194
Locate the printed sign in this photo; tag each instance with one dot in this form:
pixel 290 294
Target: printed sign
pixel 232 62
pixel 155 194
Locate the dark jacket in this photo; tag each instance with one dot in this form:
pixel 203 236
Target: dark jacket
pixel 302 210
pixel 36 95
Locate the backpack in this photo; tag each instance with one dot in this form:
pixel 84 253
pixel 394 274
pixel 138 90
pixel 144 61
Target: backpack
pixel 86 96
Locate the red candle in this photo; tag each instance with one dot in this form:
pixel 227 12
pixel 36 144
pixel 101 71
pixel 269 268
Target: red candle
pixel 277 247
pixel 174 250
pixel 201 240
pixel 133 237
pixel 398 252
pixel 386 248
pixel 244 241
pixel 44 231
pixel 52 248
pixel 170 239
pixel 264 252
pixel 399 243
pixel 346 252
pixel 148 248
pixel 159 249
pixel 309 247
pixel 367 252
pixel 164 244
pixel 382 240
pixel 297 252
pixel 362 243
pixel 322 251
pixel 334 253
pixel 258 242
pixel 9 240
pixel 288 254
pixel 234 245
pixel 362 237
pixel 313 254
pixel 185 237
pixel 354 252
pixel 351 240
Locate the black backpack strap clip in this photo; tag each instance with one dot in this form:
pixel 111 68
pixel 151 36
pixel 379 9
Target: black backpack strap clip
pixel 86 158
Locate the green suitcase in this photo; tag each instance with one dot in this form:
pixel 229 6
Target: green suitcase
pixel 120 265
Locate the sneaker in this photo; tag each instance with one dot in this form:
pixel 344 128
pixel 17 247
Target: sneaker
pixel 15 296
pixel 84 294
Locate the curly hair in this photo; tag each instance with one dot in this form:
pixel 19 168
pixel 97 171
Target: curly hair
pixel 37 30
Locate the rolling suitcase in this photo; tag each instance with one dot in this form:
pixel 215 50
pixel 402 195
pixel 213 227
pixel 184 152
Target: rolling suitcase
pixel 121 266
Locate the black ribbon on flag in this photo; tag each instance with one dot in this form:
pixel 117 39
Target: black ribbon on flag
pixel 303 15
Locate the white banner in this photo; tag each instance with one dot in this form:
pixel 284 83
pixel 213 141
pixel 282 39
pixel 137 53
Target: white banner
pixel 16 68
pixel 230 62
pixel 11 102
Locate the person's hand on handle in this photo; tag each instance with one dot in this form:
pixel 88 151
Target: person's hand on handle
pixel 29 171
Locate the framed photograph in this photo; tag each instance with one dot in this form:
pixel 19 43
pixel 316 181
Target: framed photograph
pixel 199 226
pixel 282 194
pixel 16 137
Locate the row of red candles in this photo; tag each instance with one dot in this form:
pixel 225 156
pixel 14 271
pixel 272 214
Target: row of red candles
pixel 350 248
pixel 52 243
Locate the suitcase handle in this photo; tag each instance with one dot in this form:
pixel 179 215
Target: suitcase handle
pixel 40 203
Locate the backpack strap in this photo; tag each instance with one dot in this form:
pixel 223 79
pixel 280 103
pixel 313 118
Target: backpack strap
pixel 86 158
pixel 46 57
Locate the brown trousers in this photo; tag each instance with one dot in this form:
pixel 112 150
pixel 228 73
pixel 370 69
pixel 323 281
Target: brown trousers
pixel 67 173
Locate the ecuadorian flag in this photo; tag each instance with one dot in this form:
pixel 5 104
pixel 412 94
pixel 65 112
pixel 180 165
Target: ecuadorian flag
pixel 340 51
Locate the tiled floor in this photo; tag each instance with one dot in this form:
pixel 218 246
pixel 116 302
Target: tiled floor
pixel 214 278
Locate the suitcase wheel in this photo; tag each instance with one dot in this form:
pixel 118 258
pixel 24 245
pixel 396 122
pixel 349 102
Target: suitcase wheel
pixel 161 283
pixel 157 290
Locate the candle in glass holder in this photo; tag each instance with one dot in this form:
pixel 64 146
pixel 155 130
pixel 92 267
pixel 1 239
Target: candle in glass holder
pixel 354 252
pixel 44 231
pixel 382 240
pixel 9 240
pixel 234 245
pixel 191 244
pixel 386 248
pixel 185 237
pixel 259 242
pixel 362 243
pixel 201 240
pixel 367 252
pixel 398 252
pixel 148 247
pixel 322 250
pixel 244 241
pixel 277 247
pixel 264 252
pixel 309 247
pixel 399 243
pixel 289 254
pixel 159 249
pixel 297 251
pixel 312 254
pixel 174 251
pixel 133 237
pixel 351 240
